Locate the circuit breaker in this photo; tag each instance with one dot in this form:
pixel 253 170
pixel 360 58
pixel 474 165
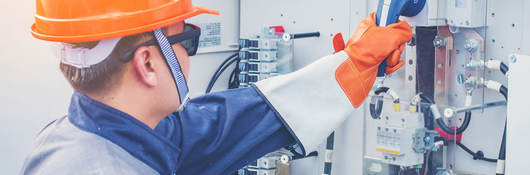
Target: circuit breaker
pixel 401 138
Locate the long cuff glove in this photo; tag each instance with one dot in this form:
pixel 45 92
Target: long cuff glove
pixel 316 99
pixel 367 48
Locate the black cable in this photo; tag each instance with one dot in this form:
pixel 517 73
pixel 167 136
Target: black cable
pixel 300 156
pixel 377 107
pixel 381 90
pixel 426 99
pixel 222 67
pixel 479 155
pixel 216 74
pixel 223 64
pixel 329 150
pixel 233 81
pixel 459 130
pixel 502 151
pixel 504 68
pixel 504 91
pixel 428 118
pixel 208 90
pixel 443 126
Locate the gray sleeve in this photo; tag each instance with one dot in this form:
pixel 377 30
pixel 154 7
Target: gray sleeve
pixel 62 148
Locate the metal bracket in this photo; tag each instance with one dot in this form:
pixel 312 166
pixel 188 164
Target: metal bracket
pixel 410 67
pixel 444 46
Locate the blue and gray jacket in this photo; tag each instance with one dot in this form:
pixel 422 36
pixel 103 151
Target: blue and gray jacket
pixel 217 133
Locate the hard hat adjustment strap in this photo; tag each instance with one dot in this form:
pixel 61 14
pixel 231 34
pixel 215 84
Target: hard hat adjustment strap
pixel 173 63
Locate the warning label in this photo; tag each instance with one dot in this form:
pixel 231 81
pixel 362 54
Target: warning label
pixel 210 34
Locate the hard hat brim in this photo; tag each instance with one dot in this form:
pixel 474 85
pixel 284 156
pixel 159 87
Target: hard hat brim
pixel 120 33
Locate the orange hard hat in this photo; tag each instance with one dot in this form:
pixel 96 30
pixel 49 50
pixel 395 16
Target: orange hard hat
pixel 92 20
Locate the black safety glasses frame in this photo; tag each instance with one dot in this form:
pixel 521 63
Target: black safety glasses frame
pixel 189 39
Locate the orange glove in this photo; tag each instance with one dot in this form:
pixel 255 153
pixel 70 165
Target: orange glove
pixel 367 48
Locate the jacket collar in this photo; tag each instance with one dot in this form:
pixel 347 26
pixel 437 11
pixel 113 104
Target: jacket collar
pixel 124 130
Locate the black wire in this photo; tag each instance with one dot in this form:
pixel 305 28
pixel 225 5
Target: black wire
pixel 376 109
pixel 233 81
pixel 212 81
pixel 504 68
pixel 504 91
pixel 329 147
pixel 225 64
pixel 209 89
pixel 426 99
pixel 221 66
pixel 300 156
pixel 381 90
pixel 443 126
pixel 479 155
pixel 459 130
pixel 502 150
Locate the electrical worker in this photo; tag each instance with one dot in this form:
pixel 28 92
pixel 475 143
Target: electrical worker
pixel 129 114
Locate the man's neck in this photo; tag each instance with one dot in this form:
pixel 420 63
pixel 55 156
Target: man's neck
pixel 134 105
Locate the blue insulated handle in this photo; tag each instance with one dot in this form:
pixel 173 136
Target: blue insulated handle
pixel 389 11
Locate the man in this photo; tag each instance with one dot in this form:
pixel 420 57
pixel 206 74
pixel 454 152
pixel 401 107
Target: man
pixel 128 64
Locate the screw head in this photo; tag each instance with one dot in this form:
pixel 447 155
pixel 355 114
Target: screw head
pixel 439 42
pixel 448 112
pixel 471 45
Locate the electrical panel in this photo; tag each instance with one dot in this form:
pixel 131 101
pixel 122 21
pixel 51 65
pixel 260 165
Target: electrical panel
pixel 266 55
pixel 443 112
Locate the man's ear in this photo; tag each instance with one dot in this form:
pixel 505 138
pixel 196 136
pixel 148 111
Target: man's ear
pixel 143 65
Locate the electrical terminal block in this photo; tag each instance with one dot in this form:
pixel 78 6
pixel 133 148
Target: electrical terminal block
pixel 258 67
pixel 254 55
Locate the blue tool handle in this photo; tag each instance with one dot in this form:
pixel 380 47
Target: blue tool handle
pixel 392 16
pixel 392 11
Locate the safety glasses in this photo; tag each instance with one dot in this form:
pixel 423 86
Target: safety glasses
pixel 189 39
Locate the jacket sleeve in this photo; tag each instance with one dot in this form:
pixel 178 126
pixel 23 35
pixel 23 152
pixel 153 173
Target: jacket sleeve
pixel 221 132
pixel 310 100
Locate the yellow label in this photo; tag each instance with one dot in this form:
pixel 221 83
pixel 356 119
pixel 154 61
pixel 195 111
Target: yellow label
pixel 397 107
pixel 388 151
pixel 412 108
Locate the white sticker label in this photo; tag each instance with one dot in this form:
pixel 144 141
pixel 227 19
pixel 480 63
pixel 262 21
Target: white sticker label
pixel 210 34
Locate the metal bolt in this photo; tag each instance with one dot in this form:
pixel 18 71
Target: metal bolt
pixel 439 42
pixel 513 58
pixel 460 79
pixel 473 82
pixel 474 64
pixel 412 42
pixel 471 45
